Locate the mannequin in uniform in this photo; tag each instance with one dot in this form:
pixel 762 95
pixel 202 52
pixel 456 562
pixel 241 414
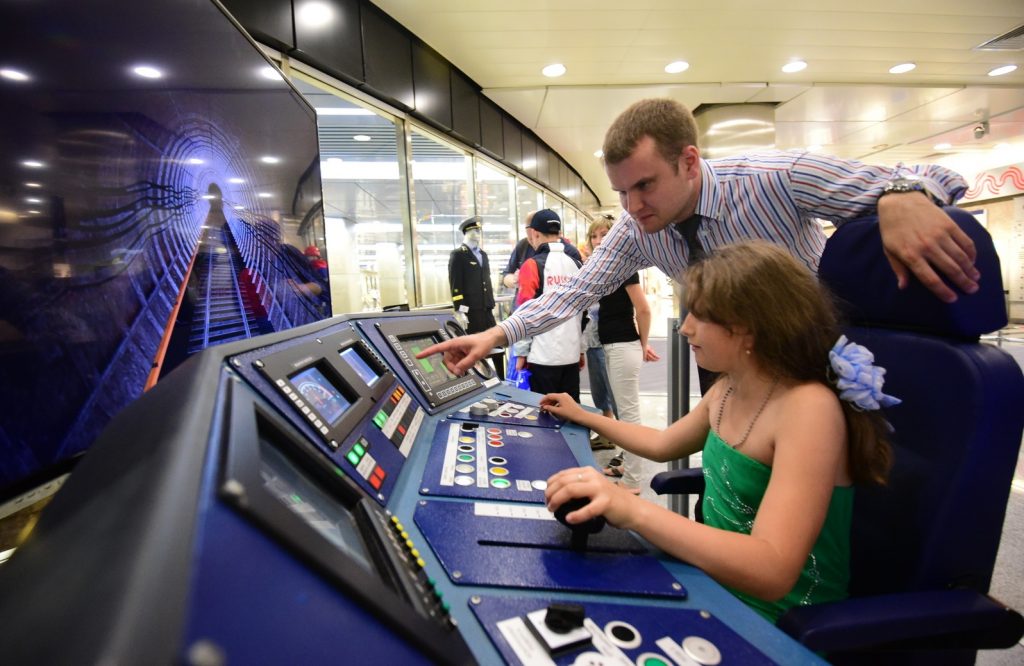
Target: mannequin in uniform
pixel 469 276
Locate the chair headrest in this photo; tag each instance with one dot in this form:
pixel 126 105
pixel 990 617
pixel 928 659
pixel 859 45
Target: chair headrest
pixel 855 268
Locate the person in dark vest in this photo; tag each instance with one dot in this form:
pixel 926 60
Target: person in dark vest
pixel 469 276
pixel 555 357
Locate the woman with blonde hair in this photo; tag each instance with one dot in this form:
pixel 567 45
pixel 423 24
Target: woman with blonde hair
pixel 623 324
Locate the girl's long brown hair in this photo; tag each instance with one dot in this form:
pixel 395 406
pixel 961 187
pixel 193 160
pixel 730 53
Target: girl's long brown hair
pixel 794 322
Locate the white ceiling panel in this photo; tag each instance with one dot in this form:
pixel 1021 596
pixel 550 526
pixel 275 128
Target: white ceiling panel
pixel 845 100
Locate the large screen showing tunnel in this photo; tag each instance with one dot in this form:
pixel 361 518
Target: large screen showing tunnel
pixel 159 193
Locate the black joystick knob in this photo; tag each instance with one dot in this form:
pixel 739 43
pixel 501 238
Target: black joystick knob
pixel 580 531
pixel 562 618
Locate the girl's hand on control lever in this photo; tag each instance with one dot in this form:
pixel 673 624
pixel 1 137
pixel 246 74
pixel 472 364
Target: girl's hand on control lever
pixel 618 505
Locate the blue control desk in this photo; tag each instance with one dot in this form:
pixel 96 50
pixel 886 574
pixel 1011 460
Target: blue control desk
pixel 323 496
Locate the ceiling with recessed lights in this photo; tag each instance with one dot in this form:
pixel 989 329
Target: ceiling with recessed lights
pixel 844 102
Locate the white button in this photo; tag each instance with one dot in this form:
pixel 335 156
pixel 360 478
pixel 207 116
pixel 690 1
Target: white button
pixel 701 650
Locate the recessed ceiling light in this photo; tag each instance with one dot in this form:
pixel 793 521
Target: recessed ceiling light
pixel 14 75
pixel 794 66
pixel 942 146
pixel 33 200
pixel 677 66
pixel 1005 69
pixel 269 72
pixel 147 72
pixel 902 68
pixel 552 71
pixel 32 164
pixel 270 159
pixel 32 185
pixel 315 14
pixel 598 153
pixel 265 195
pixel 362 137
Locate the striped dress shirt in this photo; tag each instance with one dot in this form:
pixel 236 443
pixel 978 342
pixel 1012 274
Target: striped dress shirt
pixel 774 196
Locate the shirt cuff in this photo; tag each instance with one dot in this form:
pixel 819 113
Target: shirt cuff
pixel 513 328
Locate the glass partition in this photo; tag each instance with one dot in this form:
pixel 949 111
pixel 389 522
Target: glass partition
pixel 365 200
pixel 392 223
pixel 442 197
pixel 495 203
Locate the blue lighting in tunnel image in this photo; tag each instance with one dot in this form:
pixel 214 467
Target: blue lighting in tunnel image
pixel 154 201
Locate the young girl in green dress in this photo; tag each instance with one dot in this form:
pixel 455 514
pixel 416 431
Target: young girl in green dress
pixel 787 431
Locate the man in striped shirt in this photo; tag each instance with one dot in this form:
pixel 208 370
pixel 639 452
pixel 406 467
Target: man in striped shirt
pixel 668 192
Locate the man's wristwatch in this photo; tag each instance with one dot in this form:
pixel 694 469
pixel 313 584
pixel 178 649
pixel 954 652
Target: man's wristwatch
pixel 902 184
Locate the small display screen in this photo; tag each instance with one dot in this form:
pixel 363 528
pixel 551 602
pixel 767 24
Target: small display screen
pixel 320 394
pixel 432 367
pixel 290 486
pixel 356 361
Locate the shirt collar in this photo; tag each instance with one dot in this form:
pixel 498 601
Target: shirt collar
pixel 710 200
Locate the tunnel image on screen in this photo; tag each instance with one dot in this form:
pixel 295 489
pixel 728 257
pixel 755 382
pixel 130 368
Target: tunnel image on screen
pixel 320 394
pixel 433 369
pixel 157 197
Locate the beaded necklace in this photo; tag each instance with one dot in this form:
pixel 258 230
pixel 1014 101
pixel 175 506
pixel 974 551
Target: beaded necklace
pixel 721 408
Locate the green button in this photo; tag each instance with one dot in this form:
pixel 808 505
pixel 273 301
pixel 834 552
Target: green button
pixel 654 661
pixel 358 448
pixel 353 458
pixel 380 419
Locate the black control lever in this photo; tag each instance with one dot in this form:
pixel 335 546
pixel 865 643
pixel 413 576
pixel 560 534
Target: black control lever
pixel 580 531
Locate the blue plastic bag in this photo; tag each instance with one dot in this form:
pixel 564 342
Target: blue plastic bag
pixel 517 378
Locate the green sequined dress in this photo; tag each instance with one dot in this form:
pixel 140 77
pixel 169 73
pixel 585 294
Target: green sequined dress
pixel 735 486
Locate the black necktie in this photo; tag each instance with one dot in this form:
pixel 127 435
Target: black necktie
pixel 688 230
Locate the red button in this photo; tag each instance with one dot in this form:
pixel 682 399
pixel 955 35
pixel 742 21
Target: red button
pixel 375 482
pixel 379 471
pixel 401 429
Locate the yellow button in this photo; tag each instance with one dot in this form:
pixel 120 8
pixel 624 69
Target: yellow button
pixel 421 563
pixel 405 535
pixel 415 553
pixel 409 544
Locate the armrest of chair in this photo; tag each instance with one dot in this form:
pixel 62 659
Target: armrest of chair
pixel 679 482
pixel 934 619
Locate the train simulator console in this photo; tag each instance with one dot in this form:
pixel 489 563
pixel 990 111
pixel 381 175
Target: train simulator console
pixel 321 495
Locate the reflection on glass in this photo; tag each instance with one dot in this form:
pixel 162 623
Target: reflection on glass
pixel 495 203
pixel 296 491
pixel 442 198
pixel 364 200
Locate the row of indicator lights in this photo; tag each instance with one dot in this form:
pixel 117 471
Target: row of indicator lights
pixel 355 456
pixel 415 553
pixel 465 456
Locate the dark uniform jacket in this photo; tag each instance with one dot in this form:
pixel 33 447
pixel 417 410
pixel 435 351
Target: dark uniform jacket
pixel 470 279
